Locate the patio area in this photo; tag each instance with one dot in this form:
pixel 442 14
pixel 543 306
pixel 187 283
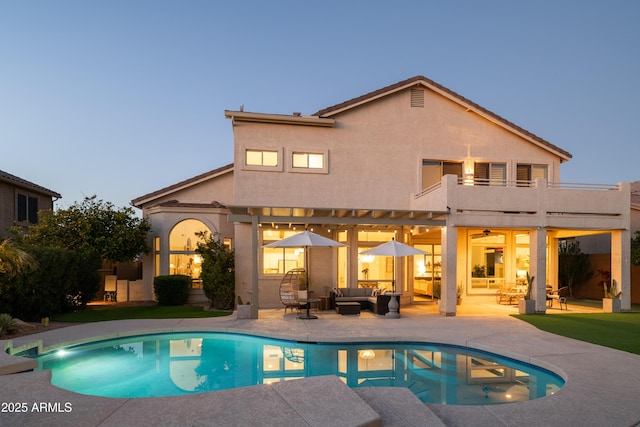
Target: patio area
pixel 601 387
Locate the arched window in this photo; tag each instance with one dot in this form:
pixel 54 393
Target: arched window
pixel 183 241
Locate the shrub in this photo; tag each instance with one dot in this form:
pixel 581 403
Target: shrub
pixel 172 289
pixel 218 273
pixel 7 324
pixel 60 281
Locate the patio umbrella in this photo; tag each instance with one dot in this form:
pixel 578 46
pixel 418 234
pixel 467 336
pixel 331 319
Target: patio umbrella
pixel 394 249
pixel 305 239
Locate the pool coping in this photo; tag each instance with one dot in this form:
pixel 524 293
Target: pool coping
pixel 601 384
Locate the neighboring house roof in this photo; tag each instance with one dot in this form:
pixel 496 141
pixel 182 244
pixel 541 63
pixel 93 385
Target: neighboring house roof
pixel 23 183
pixel 138 202
pixel 430 84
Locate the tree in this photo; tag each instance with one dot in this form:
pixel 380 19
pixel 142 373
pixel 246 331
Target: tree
pixel 218 272
pixel 13 260
pixel 573 268
pixel 635 249
pixel 116 234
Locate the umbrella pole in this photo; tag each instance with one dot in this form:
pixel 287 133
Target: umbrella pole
pixel 393 279
pixel 306 273
pixel 306 261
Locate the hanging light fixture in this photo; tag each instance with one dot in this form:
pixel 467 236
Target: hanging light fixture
pixel 366 354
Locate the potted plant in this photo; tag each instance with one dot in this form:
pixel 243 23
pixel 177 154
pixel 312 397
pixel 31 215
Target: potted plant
pixel 436 291
pixel 611 301
pixel 244 310
pixel 526 305
pixel 459 291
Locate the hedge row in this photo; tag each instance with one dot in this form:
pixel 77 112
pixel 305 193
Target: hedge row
pixel 60 281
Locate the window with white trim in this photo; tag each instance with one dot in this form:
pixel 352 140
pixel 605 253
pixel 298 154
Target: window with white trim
pixel 308 160
pixel 277 261
pixel 183 242
pixel 490 173
pixel 267 158
pixel 527 174
pixel 434 170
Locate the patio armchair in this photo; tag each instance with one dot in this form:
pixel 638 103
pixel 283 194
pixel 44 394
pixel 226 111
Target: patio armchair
pixel 559 295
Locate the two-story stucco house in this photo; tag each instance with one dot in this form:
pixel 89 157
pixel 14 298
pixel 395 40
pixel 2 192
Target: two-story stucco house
pixel 413 161
pixel 20 201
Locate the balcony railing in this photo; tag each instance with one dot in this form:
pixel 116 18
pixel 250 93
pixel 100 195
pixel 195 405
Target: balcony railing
pixel 535 198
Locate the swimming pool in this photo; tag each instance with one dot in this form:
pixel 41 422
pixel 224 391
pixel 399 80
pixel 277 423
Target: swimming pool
pixel 184 363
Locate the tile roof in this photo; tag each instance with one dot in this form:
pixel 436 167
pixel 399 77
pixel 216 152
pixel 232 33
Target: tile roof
pixel 335 109
pixel 163 191
pixel 176 203
pixel 14 180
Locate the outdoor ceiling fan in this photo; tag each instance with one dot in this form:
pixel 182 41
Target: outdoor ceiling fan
pixel 485 233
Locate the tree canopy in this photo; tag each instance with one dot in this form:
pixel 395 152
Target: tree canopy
pixel 118 235
pixel 635 249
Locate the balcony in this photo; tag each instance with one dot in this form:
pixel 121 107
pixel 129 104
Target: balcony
pixel 528 203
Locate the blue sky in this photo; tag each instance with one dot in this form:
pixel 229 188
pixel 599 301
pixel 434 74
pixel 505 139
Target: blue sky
pixel 120 98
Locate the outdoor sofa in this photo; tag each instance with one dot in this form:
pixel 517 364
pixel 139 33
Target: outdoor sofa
pixel 378 304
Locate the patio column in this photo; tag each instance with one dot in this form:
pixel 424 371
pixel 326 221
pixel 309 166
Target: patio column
pixel 620 265
pixel 449 238
pixel 352 258
pixel 538 267
pixel 255 297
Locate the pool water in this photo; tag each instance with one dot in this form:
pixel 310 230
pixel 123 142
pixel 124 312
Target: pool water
pixel 185 363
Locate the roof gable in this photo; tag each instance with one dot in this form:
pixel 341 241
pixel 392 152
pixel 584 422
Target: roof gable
pixel 138 202
pixel 449 94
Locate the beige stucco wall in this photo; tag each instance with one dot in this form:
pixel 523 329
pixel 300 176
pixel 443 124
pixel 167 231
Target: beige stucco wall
pixel 219 189
pixel 375 153
pixel 164 218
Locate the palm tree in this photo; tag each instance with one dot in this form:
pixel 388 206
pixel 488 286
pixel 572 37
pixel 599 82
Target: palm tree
pixel 13 260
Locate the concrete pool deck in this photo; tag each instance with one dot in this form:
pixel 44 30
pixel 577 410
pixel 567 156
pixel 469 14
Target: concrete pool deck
pixel 602 384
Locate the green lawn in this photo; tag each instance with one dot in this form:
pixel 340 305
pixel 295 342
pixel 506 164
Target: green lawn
pixel 615 330
pixel 103 313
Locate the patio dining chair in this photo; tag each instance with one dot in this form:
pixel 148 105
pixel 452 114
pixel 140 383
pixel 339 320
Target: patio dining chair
pixel 559 295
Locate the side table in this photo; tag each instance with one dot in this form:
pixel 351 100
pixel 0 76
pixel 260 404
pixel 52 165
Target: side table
pixel 325 302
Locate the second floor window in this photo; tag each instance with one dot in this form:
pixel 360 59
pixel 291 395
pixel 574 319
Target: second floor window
pixel 261 158
pixel 490 173
pixel 434 170
pixel 308 160
pixel 526 174
pixel 27 208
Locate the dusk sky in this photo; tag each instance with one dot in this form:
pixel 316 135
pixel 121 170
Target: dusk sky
pixel 120 98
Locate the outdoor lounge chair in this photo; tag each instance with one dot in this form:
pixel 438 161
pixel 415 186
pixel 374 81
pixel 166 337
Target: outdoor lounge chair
pixel 290 289
pixel 559 295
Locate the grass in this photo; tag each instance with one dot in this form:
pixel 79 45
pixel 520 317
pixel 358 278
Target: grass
pixel 615 330
pixel 104 313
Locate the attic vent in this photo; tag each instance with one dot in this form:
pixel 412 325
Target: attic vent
pixel 417 97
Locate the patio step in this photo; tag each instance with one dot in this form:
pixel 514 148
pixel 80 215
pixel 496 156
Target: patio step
pixel 398 407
